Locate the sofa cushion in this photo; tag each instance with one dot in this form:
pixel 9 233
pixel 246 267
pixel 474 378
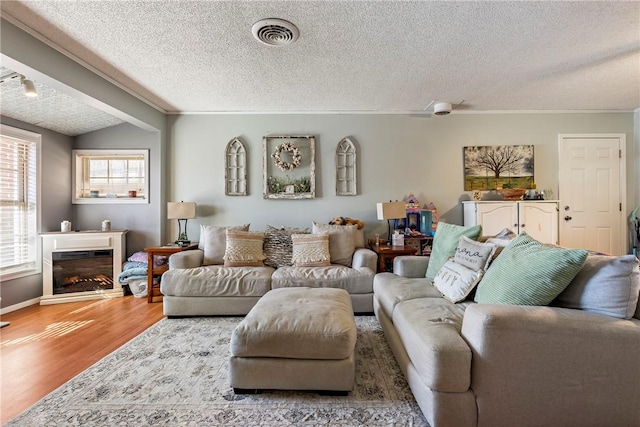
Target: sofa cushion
pixel 310 250
pixel 213 242
pixel 390 290
pixel 278 248
pixel 528 272
pixel 459 275
pixel 605 285
pixel 430 332
pixel 445 243
pixel 342 241
pixel 243 248
pixel 353 280
pixel 217 281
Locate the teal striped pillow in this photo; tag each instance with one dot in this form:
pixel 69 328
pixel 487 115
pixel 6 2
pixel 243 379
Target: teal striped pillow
pixel 528 272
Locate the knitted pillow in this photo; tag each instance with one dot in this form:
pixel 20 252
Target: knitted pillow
pixel 213 242
pixel 243 248
pixel 310 250
pixel 278 247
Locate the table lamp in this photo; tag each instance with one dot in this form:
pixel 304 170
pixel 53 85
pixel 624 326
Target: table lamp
pixel 182 211
pixel 389 211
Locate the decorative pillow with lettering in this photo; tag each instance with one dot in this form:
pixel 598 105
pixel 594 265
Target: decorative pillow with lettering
pixel 461 273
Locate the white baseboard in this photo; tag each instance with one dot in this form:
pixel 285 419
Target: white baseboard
pixel 18 306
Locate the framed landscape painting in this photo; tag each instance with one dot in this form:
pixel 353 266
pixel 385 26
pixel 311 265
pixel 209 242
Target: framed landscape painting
pixel 498 166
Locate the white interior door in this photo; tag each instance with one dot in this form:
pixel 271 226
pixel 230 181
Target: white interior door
pixel 592 189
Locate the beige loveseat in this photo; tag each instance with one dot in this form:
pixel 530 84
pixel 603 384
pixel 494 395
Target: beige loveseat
pixel 475 364
pixel 198 283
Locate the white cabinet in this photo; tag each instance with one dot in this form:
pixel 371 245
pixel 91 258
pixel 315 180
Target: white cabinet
pixel 538 218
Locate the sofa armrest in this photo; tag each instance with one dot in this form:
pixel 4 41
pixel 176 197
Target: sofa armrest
pixel 410 266
pixel 186 259
pixel 552 366
pixel 363 257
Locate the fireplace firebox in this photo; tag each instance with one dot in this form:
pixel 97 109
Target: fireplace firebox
pixel 82 271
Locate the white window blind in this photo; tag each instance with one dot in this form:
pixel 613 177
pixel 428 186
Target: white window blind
pixel 18 202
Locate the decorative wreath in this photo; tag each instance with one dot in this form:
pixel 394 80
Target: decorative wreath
pixel 295 154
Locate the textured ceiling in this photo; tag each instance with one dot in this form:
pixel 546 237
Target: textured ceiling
pixel 378 56
pixel 51 109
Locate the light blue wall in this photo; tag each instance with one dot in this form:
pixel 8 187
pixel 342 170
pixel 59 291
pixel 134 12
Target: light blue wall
pixel 142 220
pixel 398 155
pixel 55 200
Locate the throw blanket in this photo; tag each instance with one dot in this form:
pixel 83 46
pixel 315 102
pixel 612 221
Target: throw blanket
pixel 132 270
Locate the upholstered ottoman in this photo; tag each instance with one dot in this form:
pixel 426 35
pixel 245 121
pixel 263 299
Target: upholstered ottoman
pixel 295 339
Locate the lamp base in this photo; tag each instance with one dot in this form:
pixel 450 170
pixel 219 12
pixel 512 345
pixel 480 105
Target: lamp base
pixel 183 243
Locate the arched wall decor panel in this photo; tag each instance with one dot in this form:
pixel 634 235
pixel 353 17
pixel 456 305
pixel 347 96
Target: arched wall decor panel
pixel 235 171
pixel 346 178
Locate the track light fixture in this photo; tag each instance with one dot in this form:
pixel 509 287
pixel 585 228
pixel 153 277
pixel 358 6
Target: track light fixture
pixel 29 88
pixel 27 85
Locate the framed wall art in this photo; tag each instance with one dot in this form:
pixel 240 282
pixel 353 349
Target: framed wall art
pixel 498 166
pixel 289 167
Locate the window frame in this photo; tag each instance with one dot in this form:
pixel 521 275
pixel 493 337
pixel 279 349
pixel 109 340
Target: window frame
pixel 36 268
pixel 78 172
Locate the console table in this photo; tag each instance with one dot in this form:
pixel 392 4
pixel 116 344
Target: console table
pixel 154 273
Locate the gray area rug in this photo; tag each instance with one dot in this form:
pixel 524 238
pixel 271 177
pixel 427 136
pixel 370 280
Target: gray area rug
pixel 175 374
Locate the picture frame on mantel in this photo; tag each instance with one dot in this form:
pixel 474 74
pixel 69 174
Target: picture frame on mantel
pixel 289 167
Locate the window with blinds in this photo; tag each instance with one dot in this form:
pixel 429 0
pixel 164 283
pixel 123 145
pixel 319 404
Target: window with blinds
pixel 19 242
pixel 110 176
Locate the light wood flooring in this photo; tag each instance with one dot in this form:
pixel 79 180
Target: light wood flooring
pixel 45 346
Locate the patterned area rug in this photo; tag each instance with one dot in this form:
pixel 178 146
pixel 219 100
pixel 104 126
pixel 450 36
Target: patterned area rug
pixel 175 374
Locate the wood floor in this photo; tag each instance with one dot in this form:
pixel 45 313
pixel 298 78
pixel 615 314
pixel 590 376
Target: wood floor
pixel 45 346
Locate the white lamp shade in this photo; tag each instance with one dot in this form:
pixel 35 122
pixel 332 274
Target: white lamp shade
pixel 391 210
pixel 181 210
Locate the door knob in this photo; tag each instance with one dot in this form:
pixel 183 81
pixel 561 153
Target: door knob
pixel 567 218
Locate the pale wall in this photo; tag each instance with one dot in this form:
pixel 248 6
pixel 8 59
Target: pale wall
pixel 397 155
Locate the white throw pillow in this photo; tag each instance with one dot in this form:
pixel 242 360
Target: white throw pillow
pixel 213 242
pixel 461 273
pixel 474 255
pixel 455 281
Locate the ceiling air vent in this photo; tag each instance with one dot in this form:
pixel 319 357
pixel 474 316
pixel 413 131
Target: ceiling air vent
pixel 275 32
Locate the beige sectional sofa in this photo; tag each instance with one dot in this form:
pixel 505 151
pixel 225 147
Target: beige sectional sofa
pixel 487 364
pixel 199 283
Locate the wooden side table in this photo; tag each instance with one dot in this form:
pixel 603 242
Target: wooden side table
pixel 386 254
pixel 421 244
pixel 154 272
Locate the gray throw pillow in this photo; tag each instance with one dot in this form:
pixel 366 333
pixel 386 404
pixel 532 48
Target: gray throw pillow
pixel 278 247
pixel 606 285
pixel 445 243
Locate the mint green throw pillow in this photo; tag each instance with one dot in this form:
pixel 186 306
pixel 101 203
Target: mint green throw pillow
pixel 445 243
pixel 528 272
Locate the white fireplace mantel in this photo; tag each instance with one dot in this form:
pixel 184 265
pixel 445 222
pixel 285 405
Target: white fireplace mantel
pixel 79 241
